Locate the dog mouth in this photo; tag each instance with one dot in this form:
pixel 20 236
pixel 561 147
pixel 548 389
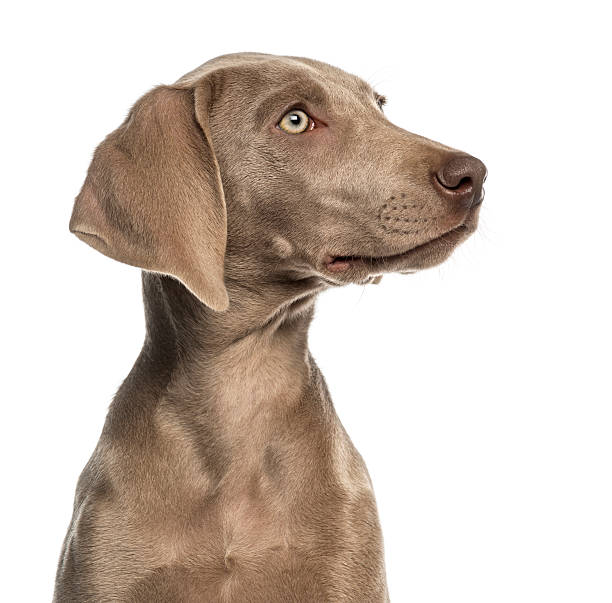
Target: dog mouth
pixel 386 263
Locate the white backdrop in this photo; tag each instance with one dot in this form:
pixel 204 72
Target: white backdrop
pixel 478 393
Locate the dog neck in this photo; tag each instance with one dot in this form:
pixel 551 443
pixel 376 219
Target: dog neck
pixel 231 379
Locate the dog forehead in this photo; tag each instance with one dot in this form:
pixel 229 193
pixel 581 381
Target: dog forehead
pixel 258 70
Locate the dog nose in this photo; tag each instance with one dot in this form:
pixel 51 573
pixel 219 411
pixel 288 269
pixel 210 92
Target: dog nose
pixel 461 178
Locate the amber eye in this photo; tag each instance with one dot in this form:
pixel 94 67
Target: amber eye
pixel 296 122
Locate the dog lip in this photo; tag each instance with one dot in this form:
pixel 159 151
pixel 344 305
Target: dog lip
pixel 343 263
pixel 340 263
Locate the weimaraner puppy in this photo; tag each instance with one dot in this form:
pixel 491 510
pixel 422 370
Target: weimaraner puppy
pixel 243 190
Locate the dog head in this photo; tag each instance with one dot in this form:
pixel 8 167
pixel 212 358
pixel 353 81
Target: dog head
pixel 269 170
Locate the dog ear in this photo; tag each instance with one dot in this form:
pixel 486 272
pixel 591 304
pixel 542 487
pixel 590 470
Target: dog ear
pixel 153 196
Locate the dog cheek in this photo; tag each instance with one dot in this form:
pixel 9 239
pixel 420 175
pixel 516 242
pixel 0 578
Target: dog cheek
pixel 281 247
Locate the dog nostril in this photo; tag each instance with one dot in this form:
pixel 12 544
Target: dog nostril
pixel 464 185
pixel 460 179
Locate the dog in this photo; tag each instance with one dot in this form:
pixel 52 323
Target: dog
pixel 242 191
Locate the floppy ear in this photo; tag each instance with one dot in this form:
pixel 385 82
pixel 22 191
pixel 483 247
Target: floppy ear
pixel 153 196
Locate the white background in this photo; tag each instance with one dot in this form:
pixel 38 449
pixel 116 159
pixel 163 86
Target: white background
pixel 478 393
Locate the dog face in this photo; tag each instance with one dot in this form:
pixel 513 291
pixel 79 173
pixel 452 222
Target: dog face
pixel 314 180
pixel 314 171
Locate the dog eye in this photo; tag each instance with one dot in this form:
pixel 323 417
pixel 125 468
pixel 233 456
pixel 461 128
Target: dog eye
pixel 296 122
pixel 381 100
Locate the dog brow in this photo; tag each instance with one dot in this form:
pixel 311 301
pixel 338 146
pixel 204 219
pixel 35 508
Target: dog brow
pixel 313 95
